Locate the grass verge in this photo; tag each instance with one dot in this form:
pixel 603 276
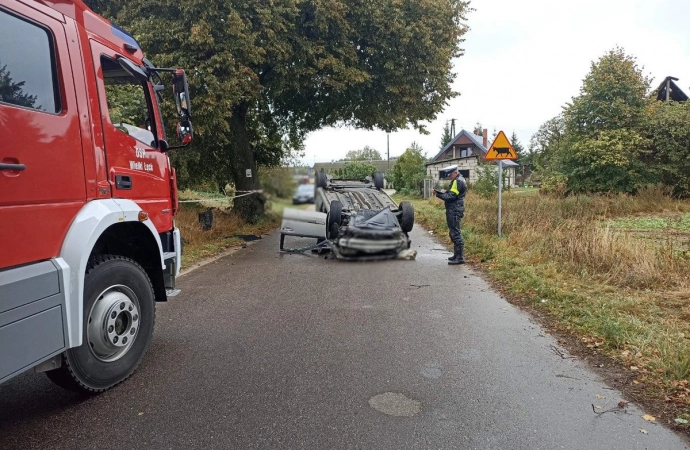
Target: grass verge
pixel 228 230
pixel 610 293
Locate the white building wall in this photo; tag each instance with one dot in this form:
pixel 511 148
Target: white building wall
pixel 467 164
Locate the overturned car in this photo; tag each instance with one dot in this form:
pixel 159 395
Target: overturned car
pixel 356 218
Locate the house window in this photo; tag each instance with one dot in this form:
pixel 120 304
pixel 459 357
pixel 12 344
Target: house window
pixel 465 152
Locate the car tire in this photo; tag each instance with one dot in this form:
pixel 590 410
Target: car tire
pixel 378 180
pixel 321 180
pixel 407 216
pixel 335 215
pixel 119 315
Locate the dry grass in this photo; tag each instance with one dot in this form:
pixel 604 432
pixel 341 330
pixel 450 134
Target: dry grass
pixel 576 233
pixel 226 231
pixel 625 294
pixel 199 244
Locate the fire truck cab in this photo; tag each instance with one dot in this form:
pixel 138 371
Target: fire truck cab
pixel 88 243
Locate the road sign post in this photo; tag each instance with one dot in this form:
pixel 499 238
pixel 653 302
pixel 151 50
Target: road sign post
pixel 500 192
pixel 500 149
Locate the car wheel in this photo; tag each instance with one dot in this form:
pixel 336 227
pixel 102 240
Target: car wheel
pixel 407 216
pixel 378 180
pixel 119 314
pixel 335 215
pixel 321 180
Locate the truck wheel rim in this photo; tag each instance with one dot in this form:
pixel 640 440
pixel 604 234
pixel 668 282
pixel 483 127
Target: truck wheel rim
pixel 113 323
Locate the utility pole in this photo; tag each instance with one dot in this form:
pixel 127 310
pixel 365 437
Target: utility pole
pixel 388 148
pixel 452 127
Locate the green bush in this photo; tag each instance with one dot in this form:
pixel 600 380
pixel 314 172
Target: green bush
pixel 408 173
pixel 487 180
pixel 278 181
pixel 355 170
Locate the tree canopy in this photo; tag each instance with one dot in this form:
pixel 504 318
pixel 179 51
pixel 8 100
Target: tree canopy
pixel 356 170
pixel 598 143
pixel 363 154
pixel 517 146
pixel 447 136
pixel 264 74
pixel 408 172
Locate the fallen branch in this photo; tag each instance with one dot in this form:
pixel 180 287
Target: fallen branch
pixel 557 351
pixel 560 375
pixel 614 409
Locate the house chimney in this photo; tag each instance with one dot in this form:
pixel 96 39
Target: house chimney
pixel 485 136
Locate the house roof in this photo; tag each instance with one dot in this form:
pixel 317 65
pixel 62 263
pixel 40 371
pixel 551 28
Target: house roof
pixel 473 137
pixel 675 92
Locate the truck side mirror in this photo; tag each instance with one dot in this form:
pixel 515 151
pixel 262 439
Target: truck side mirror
pixel 181 92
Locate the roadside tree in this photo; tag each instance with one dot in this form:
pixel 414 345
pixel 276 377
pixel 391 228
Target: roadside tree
pixel 364 154
pixel 669 130
pixel 408 173
pixel 263 75
pixel 601 148
pixel 447 136
pixel 356 170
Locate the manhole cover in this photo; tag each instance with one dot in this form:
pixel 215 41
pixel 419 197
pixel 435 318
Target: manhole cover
pixel 395 404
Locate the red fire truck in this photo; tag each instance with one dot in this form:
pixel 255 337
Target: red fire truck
pixel 88 244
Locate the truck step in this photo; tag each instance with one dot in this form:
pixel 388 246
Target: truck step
pixel 172 292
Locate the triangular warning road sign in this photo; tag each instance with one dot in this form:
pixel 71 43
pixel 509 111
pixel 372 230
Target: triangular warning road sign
pixel 501 149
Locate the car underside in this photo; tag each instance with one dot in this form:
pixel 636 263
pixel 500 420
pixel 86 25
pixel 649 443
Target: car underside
pixel 357 219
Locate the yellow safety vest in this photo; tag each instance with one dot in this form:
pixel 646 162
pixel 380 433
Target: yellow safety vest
pixel 454 187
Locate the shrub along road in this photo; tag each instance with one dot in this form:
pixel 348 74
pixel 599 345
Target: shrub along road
pixel 269 350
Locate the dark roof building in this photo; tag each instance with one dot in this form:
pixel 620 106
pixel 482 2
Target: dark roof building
pixel 669 90
pixel 467 151
pixel 464 145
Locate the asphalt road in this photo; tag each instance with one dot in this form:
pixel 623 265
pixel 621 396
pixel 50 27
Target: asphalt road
pixel 268 350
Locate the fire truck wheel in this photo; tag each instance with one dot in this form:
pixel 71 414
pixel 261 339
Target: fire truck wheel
pixel 119 314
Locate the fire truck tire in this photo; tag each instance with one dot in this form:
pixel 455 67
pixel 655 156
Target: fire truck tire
pixel 119 315
pixel 407 216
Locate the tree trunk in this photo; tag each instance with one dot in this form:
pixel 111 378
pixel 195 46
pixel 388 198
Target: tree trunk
pixel 250 207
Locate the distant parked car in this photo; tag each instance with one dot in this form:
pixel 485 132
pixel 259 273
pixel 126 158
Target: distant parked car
pixel 304 194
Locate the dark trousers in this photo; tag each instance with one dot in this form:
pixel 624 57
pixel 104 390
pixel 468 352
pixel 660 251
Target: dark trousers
pixel 453 220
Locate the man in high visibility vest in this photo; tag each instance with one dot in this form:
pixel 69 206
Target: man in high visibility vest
pixel 454 198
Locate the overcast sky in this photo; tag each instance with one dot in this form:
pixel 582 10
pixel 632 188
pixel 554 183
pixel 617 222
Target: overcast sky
pixel 525 59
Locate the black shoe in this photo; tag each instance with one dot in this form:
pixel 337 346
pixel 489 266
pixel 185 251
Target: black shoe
pixel 453 262
pixel 450 258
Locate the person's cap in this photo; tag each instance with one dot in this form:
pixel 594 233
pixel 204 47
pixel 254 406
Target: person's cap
pixel 447 171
